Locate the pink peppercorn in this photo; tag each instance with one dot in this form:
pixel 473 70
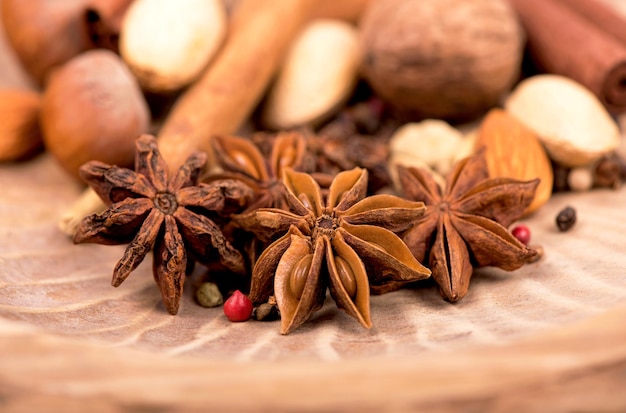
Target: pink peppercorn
pixel 238 307
pixel 522 233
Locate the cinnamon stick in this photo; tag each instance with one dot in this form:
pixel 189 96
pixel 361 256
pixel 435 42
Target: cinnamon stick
pixel 601 15
pixel 562 41
pixel 347 10
pixel 260 32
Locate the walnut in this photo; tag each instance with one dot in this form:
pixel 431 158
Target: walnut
pixel 449 59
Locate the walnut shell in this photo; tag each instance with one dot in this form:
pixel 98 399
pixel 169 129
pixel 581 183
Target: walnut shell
pixel 449 59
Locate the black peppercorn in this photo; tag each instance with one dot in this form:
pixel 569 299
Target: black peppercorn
pixel 566 219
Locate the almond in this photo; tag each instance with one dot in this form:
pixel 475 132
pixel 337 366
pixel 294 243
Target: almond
pixel 514 151
pixel 571 122
pixel 317 77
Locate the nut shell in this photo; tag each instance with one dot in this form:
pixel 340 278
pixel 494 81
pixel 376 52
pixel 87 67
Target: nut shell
pixel 93 109
pixel 574 127
pixel 45 33
pixel 448 59
pixel 20 135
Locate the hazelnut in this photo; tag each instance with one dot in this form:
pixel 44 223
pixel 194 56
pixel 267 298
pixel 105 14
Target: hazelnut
pixel 93 109
pixel 47 33
pixel 20 136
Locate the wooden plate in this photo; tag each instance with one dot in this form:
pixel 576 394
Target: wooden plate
pixel 548 337
pixel 552 332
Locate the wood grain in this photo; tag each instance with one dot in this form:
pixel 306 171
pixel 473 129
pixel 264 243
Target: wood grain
pixel 545 332
pixel 548 337
pixel 578 368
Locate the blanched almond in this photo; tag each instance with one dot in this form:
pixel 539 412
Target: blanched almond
pixel 318 75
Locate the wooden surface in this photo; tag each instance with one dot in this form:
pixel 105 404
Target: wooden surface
pixel 548 337
pixel 553 332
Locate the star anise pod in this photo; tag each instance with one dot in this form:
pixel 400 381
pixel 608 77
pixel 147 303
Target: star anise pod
pixel 344 243
pixel 148 210
pixel 334 149
pixel 242 160
pixel 338 147
pixel 465 226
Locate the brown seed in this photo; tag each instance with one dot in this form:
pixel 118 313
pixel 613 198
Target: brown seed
pixel 346 275
pixel 298 277
pixel 607 173
pixel 566 219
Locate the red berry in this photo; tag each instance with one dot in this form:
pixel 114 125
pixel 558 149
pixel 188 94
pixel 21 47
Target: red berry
pixel 238 307
pixel 522 233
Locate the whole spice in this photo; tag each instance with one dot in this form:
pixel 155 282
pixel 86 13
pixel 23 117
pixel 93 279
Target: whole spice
pixel 344 244
pixel 241 160
pixel 267 311
pixel 566 219
pixel 522 233
pixel 149 209
pixel 577 39
pixel 238 307
pixel 338 147
pixel 45 33
pixel 465 226
pixel 608 172
pixel 209 295
pixel 431 142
